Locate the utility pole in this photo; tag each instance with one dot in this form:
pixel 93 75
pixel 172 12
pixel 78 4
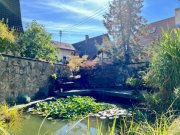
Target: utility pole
pixel 60 35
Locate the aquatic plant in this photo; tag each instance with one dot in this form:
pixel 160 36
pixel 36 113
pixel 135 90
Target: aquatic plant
pixel 163 125
pixel 69 108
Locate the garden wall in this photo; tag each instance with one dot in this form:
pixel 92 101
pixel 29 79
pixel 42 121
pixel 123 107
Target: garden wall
pixel 25 76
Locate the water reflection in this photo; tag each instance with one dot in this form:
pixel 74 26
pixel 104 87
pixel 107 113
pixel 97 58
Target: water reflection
pixel 32 123
pixel 79 129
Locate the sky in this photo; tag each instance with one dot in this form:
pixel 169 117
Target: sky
pixel 77 18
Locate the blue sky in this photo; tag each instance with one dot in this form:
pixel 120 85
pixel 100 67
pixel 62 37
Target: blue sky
pixel 77 18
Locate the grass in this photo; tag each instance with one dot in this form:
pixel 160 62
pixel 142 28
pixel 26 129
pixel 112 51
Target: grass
pixel 3 131
pixel 163 125
pixel 10 120
pixel 138 124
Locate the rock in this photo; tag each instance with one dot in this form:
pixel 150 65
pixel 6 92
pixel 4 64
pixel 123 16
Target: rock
pixel 116 117
pixel 97 115
pixel 111 118
pixel 102 117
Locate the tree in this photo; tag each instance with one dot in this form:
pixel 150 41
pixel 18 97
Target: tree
pixel 7 38
pixel 75 62
pixel 125 26
pixel 35 42
pixel 105 48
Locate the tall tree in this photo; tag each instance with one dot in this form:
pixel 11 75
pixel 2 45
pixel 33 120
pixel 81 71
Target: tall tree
pixel 124 24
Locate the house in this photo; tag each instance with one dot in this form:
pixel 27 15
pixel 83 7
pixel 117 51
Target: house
pixel 155 30
pixel 89 46
pixel 65 50
pixel 10 12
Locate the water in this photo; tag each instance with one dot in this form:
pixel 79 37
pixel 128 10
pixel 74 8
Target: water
pixel 31 125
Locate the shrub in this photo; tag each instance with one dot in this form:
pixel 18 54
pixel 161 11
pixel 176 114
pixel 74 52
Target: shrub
pixel 164 72
pixel 7 38
pixel 10 119
pixel 158 103
pixel 134 82
pixel 163 125
pixel 75 62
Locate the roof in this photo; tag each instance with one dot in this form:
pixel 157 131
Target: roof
pixel 88 46
pixel 63 46
pixel 155 30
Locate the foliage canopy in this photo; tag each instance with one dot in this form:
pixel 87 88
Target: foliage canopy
pixel 125 25
pixel 35 42
pixel 164 72
pixel 7 38
pixel 75 62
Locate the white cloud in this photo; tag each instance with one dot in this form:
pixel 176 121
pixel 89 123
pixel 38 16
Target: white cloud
pixel 73 12
pixel 92 8
pixel 54 27
pixel 99 2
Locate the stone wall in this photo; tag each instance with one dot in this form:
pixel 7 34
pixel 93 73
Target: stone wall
pixel 20 75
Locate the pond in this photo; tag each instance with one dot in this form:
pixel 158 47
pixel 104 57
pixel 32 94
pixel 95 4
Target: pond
pixel 32 123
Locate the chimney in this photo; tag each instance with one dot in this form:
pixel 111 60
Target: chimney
pixel 86 38
pixel 177 17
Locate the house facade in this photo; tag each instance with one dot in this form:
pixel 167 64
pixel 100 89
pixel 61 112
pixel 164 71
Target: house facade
pixel 154 32
pixel 155 29
pixel 10 12
pixel 89 46
pixel 64 50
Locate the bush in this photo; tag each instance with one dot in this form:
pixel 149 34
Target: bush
pixel 164 72
pixel 7 38
pixel 10 119
pixel 134 82
pixel 75 62
pixel 158 103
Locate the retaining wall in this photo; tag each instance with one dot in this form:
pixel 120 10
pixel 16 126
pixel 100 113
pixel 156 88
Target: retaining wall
pixel 21 75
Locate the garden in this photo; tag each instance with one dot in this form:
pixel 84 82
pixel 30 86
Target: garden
pixel 156 111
